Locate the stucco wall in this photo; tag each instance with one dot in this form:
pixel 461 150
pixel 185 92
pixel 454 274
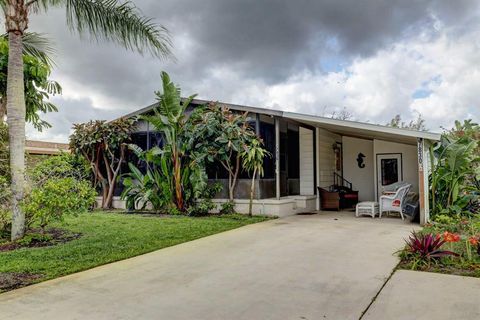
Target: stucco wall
pixel 306 161
pixel 409 160
pixel 326 157
pixel 361 178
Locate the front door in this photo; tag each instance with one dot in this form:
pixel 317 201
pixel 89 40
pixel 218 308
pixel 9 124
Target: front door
pixel 389 170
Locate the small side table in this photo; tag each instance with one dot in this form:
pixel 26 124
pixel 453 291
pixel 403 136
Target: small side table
pixel 369 208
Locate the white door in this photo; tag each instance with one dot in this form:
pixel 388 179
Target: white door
pixel 389 170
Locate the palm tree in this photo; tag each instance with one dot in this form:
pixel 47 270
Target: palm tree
pixel 113 20
pixel 253 155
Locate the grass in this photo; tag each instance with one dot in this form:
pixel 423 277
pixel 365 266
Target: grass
pixel 109 237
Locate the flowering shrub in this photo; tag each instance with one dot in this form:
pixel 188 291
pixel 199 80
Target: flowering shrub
pixel 450 237
pixel 451 246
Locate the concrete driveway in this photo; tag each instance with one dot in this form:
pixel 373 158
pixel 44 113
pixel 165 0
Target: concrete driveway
pixel 324 266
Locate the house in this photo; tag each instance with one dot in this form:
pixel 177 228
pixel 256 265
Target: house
pixel 44 148
pixel 310 151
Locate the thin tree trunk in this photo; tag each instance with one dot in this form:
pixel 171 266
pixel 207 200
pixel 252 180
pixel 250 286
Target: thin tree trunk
pixel 252 191
pixel 16 130
pixel 3 108
pixel 234 178
pixel 113 178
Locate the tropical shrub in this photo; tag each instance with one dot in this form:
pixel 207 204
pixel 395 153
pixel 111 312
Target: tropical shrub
pixel 228 207
pixel 220 135
pixel 175 177
pixel 169 119
pixel 103 144
pixel 176 171
pixel 152 188
pixel 57 197
pixel 4 154
pixel 205 205
pixel 427 246
pixel 5 196
pixel 36 72
pixel 61 166
pixel 454 187
pixel 448 245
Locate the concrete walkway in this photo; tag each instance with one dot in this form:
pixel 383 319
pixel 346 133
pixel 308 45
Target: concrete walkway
pixel 424 296
pixel 324 266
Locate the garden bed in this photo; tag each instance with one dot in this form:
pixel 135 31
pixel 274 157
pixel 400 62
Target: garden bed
pixel 37 238
pixel 105 238
pixel 450 246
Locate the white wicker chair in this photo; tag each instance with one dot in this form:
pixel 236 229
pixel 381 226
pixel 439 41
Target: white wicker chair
pixel 395 202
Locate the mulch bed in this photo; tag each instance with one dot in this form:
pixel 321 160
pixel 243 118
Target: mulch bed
pixel 13 280
pixel 57 236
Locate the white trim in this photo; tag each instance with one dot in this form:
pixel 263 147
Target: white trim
pixel 317 165
pixel 362 126
pixel 314 119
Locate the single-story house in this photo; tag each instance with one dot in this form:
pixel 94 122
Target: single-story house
pixel 311 151
pixel 45 148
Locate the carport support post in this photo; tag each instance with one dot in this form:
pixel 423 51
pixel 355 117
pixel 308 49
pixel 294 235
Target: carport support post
pixel 316 158
pixel 423 187
pixel 277 158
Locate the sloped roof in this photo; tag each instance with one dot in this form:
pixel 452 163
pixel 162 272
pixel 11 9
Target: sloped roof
pixel 344 127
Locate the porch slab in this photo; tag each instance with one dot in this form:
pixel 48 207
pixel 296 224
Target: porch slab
pixel 424 295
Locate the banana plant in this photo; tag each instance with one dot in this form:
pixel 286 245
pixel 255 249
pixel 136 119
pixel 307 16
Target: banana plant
pixel 170 120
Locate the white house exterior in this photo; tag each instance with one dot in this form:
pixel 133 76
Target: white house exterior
pixel 316 148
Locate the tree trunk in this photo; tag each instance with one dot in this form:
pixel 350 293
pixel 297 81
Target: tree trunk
pixel 252 191
pixel 3 108
pixel 234 178
pixel 16 130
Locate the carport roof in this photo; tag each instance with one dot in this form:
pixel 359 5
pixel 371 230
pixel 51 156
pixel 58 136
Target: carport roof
pixel 342 127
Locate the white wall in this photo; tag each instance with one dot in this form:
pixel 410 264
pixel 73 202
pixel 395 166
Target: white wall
pixel 409 160
pixel 326 157
pixel 306 161
pixel 362 179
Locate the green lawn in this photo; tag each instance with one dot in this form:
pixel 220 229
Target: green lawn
pixel 108 237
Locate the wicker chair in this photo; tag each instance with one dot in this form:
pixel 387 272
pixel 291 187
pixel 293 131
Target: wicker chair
pixel 395 202
pixel 329 199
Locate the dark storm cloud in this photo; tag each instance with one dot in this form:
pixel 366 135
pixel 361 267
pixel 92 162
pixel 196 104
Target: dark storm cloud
pixel 272 39
pixel 268 40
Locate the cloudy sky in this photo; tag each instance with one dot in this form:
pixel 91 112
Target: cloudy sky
pixel 373 58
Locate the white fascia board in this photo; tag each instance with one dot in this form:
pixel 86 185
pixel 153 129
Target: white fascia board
pixel 363 126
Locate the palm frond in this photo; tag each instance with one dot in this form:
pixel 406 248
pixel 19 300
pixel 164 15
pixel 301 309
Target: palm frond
pixel 120 22
pixel 38 46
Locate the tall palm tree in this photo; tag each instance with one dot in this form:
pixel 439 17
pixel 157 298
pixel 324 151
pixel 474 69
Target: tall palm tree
pixel 114 20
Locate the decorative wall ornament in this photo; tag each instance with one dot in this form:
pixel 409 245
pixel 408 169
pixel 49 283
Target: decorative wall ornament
pixel 360 160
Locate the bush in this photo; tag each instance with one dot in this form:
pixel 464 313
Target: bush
pixel 228 208
pixel 61 166
pixel 5 216
pixel 202 207
pixel 56 197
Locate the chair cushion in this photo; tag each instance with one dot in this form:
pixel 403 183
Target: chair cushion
pixel 396 203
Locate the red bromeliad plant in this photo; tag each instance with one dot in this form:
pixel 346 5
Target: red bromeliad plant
pixel 428 246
